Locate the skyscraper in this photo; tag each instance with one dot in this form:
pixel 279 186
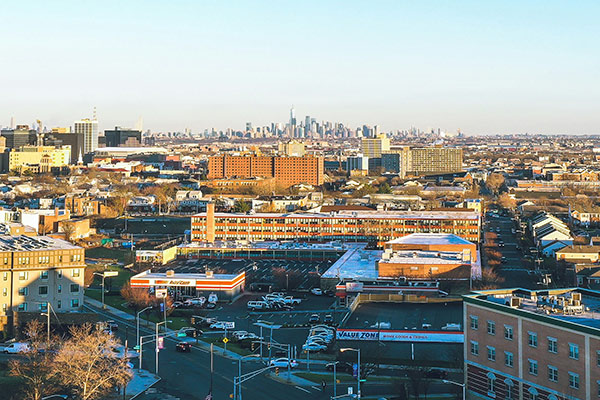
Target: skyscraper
pixel 89 129
pixel 292 118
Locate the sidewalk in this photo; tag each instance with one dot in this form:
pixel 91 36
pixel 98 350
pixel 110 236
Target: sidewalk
pixel 141 381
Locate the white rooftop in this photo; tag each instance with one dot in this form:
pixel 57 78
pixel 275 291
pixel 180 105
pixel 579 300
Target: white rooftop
pixel 33 243
pixel 357 264
pixel 430 238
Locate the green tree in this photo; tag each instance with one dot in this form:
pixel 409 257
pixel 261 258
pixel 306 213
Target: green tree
pixel 242 206
pixel 384 188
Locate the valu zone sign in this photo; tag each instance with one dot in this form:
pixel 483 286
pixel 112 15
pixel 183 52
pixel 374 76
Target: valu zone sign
pixel 400 336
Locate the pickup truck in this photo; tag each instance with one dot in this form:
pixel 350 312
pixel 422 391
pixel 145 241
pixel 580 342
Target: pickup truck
pixel 291 300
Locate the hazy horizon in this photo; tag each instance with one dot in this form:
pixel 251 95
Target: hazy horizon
pixel 496 67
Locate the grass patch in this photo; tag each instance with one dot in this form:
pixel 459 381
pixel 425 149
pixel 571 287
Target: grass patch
pixel 328 377
pixel 121 255
pixel 114 283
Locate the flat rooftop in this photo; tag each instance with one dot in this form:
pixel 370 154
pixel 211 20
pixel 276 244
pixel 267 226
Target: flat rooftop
pixel 425 257
pixel 554 304
pixel 175 276
pixel 33 243
pixel 274 245
pixel 417 215
pixel 430 238
pixel 356 264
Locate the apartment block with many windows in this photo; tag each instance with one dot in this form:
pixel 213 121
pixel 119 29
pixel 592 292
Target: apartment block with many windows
pixel 38 270
pixel 363 226
pixel 532 345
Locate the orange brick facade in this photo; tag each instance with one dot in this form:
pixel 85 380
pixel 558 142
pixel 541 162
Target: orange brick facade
pixel 286 170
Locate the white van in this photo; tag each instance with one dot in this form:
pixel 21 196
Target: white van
pixel 212 298
pixel 16 347
pixel 257 305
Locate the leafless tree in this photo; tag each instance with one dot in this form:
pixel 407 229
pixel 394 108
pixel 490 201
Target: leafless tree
pixel 37 367
pixel 87 364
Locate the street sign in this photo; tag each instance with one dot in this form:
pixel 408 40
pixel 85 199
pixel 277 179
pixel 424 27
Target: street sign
pixel 108 274
pixel 355 370
pixel 162 307
pixel 136 347
pixel 160 293
pixel 181 334
pixel 225 340
pixel 161 343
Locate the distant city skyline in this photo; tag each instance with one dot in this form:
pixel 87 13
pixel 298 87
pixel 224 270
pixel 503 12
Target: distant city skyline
pixel 495 67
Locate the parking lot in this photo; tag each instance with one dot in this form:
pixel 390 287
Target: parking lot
pixel 259 271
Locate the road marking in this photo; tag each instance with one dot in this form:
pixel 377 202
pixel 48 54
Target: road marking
pixel 301 388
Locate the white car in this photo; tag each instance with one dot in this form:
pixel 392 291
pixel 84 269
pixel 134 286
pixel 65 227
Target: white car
pixel 320 331
pixel 15 348
pixel 316 291
pixel 283 363
pixel 291 300
pixel 199 301
pixel 314 347
pixel 317 340
pixel 239 334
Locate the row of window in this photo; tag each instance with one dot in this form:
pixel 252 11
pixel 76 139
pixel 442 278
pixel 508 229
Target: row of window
pixel 24 275
pixel 44 306
pixel 43 290
pixel 532 337
pixel 532 392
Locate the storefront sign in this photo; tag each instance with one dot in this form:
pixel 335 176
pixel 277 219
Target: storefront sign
pixel 400 336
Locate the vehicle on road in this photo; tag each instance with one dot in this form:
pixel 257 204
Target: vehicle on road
pixel 183 347
pixel 328 319
pixel 316 291
pixel 283 363
pixel 17 347
pixel 436 374
pixel 341 367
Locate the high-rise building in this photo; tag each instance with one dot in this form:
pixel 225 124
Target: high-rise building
pixel 89 129
pixel 434 160
pixel 286 170
pixel 39 159
pixel 123 137
pixel 292 118
pixel 373 147
pixel 20 136
pixel 64 137
pixel 292 148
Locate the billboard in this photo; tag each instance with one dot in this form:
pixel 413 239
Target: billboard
pixel 354 287
pixel 400 336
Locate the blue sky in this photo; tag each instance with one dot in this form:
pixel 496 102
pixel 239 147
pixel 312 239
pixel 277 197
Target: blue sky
pixel 481 66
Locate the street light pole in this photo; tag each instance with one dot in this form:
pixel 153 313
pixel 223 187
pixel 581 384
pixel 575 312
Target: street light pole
pixel 137 326
pixel 358 369
pixel 156 326
pixel 462 385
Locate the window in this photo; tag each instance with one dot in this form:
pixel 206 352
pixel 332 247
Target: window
pixel 75 273
pixel 491 327
pixel 23 291
pixel 552 373
pixel 474 322
pixel 43 290
pixel 59 272
pixel 508 332
pixel 74 288
pixel 532 339
pixel 552 345
pixel 508 359
pixel 533 394
pixel 4 292
pixel 43 306
pixel 74 303
pixel 5 276
pixel 598 358
pixel 598 383
pixel 59 289
pixel 44 275
pixel 23 276
pixel 22 307
pixel 533 367
pixel 4 307
pixel 491 353
pixel 474 348
pixel 573 351
pixel 573 380
pixel 59 304
pixel 509 388
pixel 491 384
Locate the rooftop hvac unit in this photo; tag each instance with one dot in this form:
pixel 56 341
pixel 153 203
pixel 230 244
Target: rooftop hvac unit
pixel 576 296
pixel 515 302
pixel 170 273
pixel 209 274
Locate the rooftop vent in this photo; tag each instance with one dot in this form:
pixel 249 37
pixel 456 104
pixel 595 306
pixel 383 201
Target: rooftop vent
pixel 170 273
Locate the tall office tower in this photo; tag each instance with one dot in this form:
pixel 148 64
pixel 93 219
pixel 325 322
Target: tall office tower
pixel 435 160
pixel 307 123
pixel 123 137
pixel 89 129
pixel 376 130
pixel 248 126
pixel 373 147
pixel 292 118
pixel 366 131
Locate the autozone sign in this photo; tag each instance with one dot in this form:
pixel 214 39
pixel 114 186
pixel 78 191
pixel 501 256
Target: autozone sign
pixel 400 336
pixel 175 282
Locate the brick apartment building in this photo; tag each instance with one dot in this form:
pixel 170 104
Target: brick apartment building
pixel 287 171
pixel 359 226
pixel 532 345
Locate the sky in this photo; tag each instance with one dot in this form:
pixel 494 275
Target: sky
pixel 484 67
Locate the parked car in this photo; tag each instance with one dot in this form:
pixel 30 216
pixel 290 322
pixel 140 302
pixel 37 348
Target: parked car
pixel 211 306
pixel 437 373
pixel 314 319
pixel 283 363
pixel 317 340
pixel 316 291
pixel 17 347
pixel 183 347
pixel 112 325
pixel 213 298
pixel 195 302
pixel 258 305
pixel 291 300
pixel 316 347
pixel 451 327
pixel 328 319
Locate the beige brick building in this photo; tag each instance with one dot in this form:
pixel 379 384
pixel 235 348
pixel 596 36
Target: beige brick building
pixel 38 270
pixel 532 345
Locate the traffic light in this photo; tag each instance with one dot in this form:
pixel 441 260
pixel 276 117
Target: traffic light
pixel 269 346
pixel 252 346
pixel 193 320
pixel 194 333
pixel 276 370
